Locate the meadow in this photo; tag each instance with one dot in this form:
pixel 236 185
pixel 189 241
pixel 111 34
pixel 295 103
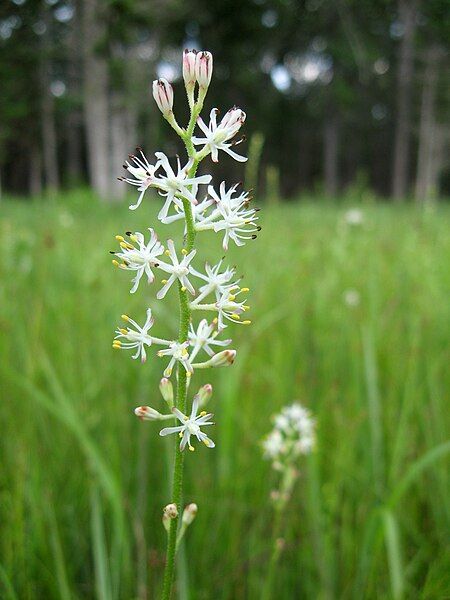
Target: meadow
pixel 351 320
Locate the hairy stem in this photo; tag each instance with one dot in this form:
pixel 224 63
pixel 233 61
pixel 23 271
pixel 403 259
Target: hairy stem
pixel 181 395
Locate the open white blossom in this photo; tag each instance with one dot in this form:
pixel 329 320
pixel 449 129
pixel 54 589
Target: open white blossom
pixel 135 338
pixel 191 426
pixel 232 215
pixel 216 282
pixel 140 257
pixel 143 174
pixel 227 306
pixel 177 270
pixel 205 337
pixel 178 351
pixel 293 434
pixel 174 186
pixel 217 135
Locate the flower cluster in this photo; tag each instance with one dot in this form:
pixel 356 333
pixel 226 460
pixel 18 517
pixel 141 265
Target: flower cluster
pixel 293 434
pixel 192 198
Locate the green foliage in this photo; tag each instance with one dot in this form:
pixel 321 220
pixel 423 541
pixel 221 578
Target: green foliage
pixel 83 482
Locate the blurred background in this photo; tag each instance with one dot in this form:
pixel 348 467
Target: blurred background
pixel 339 94
pixel 347 137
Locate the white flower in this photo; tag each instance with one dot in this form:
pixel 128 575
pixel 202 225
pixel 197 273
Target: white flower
pixel 273 444
pixel 190 426
pixel 141 258
pixel 216 283
pixel 204 338
pixel 173 186
pixel 198 211
pixel 178 270
pixel 143 173
pixel 231 215
pixel 293 435
pixel 217 135
pixel 135 338
pixel 163 95
pixel 178 353
pixel 351 298
pixel 228 308
pixel 354 216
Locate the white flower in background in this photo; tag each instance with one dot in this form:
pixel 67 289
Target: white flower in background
pixel 217 135
pixel 143 173
pixel 178 353
pixel 293 435
pixel 205 337
pixel 190 426
pixel 352 298
pixel 140 258
pixel 175 186
pixel 135 338
pixel 216 283
pixel 354 216
pixel 177 270
pixel 163 95
pixel 231 215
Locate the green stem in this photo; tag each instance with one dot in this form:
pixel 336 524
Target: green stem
pixel 180 399
pixel 285 492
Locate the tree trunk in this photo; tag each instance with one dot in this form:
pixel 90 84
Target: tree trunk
pixel 331 155
pixel 74 118
pixel 35 181
pixel 48 125
pixel 95 97
pixel 407 17
pixel 427 132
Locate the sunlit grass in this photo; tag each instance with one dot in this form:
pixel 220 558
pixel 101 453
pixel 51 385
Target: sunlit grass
pixel 83 481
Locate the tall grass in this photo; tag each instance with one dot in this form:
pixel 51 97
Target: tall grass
pixel 83 482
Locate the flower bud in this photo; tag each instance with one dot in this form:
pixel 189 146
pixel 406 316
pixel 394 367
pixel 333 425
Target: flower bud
pixel 233 119
pixel 147 413
pixel 203 69
pixel 189 514
pixel 171 511
pixel 223 359
pixel 163 95
pixel 204 395
pixel 189 60
pixel 166 389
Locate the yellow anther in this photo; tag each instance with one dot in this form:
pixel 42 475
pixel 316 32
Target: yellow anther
pixel 167 252
pixel 117 343
pixel 235 316
pixel 164 281
pixel 125 317
pixel 168 372
pixel 246 307
pixel 133 238
pixel 159 353
pixel 215 320
pixel 126 245
pixel 206 442
pixel 180 435
pixel 119 238
pixel 246 322
pixel 188 374
pixel 231 297
pixel 191 448
pixel 186 418
pixel 115 263
pixel 123 331
pixel 203 413
pixel 184 251
pixel 245 290
pixel 184 352
pixel 183 289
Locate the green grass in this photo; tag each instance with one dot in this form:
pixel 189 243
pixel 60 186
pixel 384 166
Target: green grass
pixel 83 482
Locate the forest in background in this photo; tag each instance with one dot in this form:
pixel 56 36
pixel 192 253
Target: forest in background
pixel 339 94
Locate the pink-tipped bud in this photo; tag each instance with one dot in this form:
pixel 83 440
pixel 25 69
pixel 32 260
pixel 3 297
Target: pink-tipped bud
pixel 204 395
pixel 234 118
pixel 189 60
pixel 166 389
pixel 163 95
pixel 203 69
pixel 189 514
pixel 147 413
